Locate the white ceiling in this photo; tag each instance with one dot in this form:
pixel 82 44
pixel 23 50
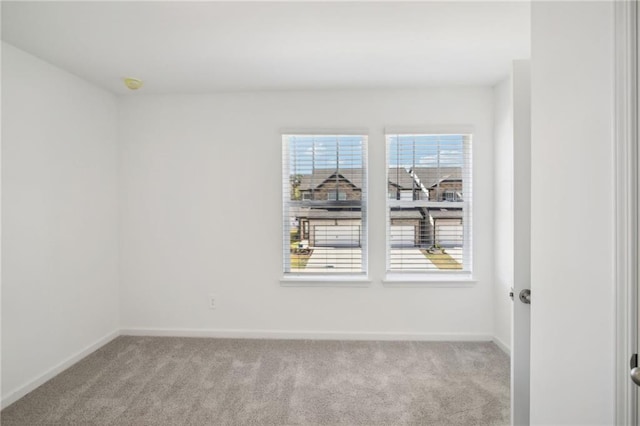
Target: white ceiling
pixel 189 47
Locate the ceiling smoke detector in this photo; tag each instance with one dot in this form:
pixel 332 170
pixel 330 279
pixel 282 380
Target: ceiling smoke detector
pixel 133 83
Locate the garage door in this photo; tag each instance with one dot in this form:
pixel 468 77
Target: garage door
pixel 403 236
pixel 449 235
pixel 337 236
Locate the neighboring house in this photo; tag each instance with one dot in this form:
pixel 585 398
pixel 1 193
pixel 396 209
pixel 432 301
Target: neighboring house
pixel 426 183
pixel 331 185
pixel 443 184
pixel 332 216
pixel 446 227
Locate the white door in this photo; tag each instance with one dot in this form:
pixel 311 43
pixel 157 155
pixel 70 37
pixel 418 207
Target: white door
pixel 521 330
pixel 631 412
pixel 403 236
pixel 628 230
pixel 336 236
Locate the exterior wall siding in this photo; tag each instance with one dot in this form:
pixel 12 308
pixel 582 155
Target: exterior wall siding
pixel 322 191
pixel 437 194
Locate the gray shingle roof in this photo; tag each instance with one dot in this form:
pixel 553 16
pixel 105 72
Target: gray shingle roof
pixel 399 176
pixel 405 214
pixel 336 214
pixel 429 176
pixel 445 213
pixel 319 176
pixel 354 214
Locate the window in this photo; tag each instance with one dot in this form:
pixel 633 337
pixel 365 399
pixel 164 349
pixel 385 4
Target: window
pixel 452 196
pixel 324 204
pixel 429 203
pixel 336 195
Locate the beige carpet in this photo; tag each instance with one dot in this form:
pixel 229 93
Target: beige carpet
pixel 188 381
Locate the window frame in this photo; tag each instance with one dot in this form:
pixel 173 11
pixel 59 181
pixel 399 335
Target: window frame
pixel 355 279
pixel 445 278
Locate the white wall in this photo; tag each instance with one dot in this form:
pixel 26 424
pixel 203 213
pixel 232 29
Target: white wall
pixel 201 213
pixel 503 209
pixel 572 310
pixel 59 219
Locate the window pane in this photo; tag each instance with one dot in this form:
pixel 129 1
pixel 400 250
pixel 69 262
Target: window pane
pixel 325 204
pixel 428 205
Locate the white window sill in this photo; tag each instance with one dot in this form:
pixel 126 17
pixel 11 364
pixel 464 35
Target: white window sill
pixel 325 281
pixel 428 280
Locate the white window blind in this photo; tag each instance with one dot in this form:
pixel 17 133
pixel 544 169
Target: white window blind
pixel 429 198
pixel 324 204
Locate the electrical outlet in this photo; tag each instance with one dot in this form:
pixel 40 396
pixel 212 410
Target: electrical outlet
pixel 213 303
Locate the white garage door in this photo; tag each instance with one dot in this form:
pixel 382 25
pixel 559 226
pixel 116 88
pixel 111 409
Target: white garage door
pixel 337 236
pixel 449 235
pixel 403 236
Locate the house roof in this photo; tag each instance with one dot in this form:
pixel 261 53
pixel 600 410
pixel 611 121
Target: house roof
pixel 399 176
pixel 405 214
pixel 445 213
pixel 431 176
pixel 354 214
pixel 334 214
pixel 320 176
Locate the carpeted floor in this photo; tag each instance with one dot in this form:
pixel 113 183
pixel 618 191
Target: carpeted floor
pixel 189 381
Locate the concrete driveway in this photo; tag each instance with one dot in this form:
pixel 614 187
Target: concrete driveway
pixel 335 259
pixel 349 259
pixel 409 258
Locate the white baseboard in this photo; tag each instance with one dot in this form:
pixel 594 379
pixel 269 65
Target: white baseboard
pixel 16 394
pixel 305 335
pixel 499 343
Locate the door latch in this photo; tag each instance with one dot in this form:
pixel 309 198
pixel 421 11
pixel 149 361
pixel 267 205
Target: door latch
pixel 525 296
pixel 511 293
pixel 635 371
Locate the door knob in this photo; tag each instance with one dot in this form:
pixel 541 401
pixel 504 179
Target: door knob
pixel 635 375
pixel 525 296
